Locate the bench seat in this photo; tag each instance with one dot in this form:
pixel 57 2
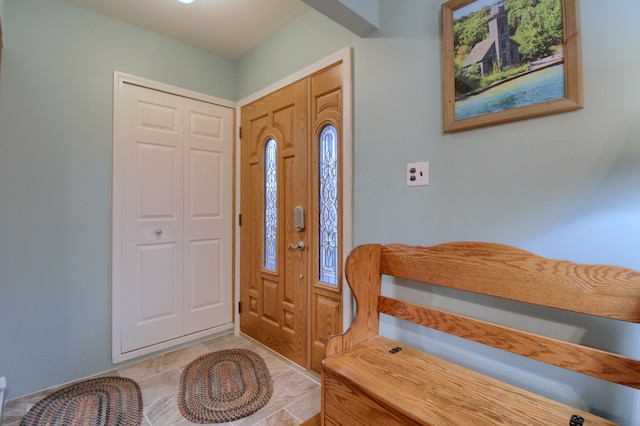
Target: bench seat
pixel 369 382
pixel 368 379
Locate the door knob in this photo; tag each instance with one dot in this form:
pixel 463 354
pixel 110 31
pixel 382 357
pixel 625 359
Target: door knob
pixel 299 246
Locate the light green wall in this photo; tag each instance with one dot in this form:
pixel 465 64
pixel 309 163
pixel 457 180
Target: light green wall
pixel 564 186
pixel 539 183
pixel 56 89
pixel 303 42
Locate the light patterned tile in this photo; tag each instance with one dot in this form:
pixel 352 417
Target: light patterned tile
pixel 186 422
pixel 287 388
pixel 307 406
pixel 161 363
pixel 15 409
pixel 229 341
pixel 157 386
pixel 280 418
pixel 12 422
pixel 164 412
pixel 275 365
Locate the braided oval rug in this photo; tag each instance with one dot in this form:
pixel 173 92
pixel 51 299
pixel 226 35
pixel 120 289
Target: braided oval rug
pixel 105 401
pixel 224 386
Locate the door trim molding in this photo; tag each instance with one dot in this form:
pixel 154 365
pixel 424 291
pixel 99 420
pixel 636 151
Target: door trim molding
pixel 120 78
pixel 344 56
pixel 119 81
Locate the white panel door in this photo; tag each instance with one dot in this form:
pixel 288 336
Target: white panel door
pixel 152 216
pixel 208 214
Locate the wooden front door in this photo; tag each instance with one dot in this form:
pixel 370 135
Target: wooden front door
pixel 274 178
pixel 284 302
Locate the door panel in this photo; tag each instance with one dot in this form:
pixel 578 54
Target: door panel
pixel 275 299
pixel 152 212
pixel 208 214
pixel 326 93
pixel 287 307
pixel 157 267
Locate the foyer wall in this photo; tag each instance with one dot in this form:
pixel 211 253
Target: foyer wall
pixel 56 90
pixel 564 186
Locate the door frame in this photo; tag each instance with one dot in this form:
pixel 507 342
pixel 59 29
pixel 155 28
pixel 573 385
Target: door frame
pixel 344 56
pixel 119 81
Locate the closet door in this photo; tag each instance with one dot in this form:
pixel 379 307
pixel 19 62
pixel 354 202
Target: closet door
pixel 152 217
pixel 173 172
pixel 208 210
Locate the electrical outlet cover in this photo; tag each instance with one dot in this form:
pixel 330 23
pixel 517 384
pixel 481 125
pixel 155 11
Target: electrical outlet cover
pixel 418 174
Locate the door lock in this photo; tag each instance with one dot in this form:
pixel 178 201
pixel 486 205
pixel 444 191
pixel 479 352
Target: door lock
pixel 298 218
pixel 299 246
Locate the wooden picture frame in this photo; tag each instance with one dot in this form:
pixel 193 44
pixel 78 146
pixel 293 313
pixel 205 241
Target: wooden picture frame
pixel 467 104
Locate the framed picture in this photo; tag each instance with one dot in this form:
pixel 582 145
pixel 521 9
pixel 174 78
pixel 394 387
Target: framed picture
pixel 507 60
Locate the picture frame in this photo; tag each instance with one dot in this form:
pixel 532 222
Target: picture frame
pixel 488 81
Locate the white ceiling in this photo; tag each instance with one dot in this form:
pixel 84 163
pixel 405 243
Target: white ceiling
pixel 228 28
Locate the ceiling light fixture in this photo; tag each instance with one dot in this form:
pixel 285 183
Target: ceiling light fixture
pixel 186 1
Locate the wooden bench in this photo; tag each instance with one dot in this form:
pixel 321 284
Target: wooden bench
pixel 368 379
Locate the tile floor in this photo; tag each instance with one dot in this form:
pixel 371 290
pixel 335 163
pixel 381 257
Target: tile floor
pixel 295 398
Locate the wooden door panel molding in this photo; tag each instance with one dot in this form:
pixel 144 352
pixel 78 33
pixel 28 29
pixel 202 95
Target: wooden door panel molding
pixel 306 310
pixel 276 299
pixel 326 109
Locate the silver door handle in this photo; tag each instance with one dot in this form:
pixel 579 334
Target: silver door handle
pixel 299 246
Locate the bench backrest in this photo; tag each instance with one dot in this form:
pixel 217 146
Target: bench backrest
pixel 501 271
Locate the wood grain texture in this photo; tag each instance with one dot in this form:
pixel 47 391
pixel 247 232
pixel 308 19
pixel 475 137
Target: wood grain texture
pixel 326 107
pixel 426 390
pixel 275 302
pixel 593 362
pixel 349 405
pixel 511 273
pixel 363 267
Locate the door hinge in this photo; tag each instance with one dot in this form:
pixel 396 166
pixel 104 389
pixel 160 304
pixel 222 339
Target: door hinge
pixel 239 132
pixel 239 307
pixel 240 220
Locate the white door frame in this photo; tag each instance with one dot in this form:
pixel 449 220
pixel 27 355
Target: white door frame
pixel 343 55
pixel 119 80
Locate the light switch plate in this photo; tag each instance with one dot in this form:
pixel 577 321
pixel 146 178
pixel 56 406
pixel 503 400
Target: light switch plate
pixel 418 174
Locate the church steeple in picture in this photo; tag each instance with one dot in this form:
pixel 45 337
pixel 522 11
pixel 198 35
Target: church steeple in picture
pixel 499 51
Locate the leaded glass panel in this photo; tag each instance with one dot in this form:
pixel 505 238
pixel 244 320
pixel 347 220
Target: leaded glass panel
pixel 328 202
pixel 270 205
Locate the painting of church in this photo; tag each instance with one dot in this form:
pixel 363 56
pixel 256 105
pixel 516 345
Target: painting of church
pixel 499 48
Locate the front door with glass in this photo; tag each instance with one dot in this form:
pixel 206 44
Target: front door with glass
pixel 290 256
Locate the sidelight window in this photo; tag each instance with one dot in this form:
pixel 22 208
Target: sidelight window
pixel 328 203
pixel 270 205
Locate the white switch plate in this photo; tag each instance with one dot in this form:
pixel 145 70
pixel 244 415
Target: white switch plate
pixel 418 174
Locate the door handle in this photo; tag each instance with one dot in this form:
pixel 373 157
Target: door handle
pixel 299 246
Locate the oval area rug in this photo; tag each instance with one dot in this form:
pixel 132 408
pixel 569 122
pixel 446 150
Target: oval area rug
pixel 223 386
pixel 105 401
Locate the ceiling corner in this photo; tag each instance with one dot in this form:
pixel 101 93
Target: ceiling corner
pixel 361 17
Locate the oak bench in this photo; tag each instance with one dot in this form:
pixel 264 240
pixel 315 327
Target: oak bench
pixel 369 379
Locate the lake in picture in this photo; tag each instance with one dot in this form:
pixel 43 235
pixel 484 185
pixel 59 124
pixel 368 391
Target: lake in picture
pixel 539 86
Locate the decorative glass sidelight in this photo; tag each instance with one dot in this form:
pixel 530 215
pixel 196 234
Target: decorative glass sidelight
pixel 328 203
pixel 270 204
